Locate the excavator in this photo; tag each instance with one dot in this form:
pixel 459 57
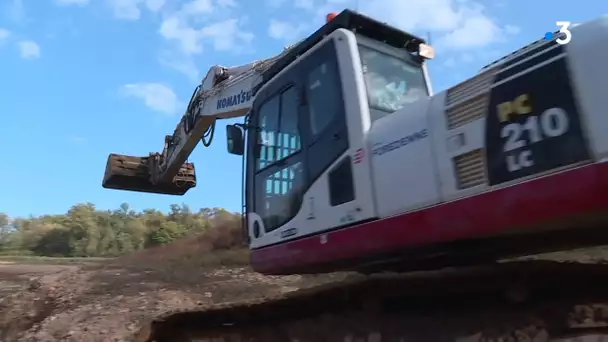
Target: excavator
pixel 352 163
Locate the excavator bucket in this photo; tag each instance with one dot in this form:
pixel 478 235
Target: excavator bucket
pixel 133 174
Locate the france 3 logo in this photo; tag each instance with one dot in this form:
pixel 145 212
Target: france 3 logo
pixel 564 35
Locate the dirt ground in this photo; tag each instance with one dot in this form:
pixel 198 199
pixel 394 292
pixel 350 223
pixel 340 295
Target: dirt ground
pixel 13 277
pixel 112 300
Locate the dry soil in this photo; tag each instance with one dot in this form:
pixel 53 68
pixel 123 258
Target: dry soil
pixel 110 301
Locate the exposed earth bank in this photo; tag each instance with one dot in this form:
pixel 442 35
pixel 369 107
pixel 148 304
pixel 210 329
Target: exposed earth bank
pixel 113 300
pixel 110 303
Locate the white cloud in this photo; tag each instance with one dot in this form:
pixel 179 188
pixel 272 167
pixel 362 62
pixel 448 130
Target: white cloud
pixel 512 29
pixel 227 35
pixel 195 7
pixel 459 24
pixel 417 14
pixel 197 24
pixel 131 9
pixel 125 9
pixel 29 49
pixel 475 31
pixel 283 30
pixel 187 38
pixel 4 34
pixel 180 62
pixel 462 30
pixel 72 2
pixel 156 96
pixel 155 5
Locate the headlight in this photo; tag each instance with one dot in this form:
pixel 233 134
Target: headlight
pixel 426 51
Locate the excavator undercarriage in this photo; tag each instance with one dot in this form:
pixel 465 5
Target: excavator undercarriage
pixel 510 301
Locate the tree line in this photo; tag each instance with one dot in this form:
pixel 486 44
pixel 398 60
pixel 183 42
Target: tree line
pixel 85 231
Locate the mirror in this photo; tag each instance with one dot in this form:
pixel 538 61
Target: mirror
pixel 236 144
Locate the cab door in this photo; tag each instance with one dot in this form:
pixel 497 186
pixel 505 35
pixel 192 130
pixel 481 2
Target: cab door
pixel 302 180
pixel 338 191
pixel 325 124
pixel 276 162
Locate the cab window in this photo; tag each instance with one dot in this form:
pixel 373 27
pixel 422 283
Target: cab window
pixel 279 185
pixel 268 128
pixel 280 195
pixel 391 82
pixel 289 135
pixel 278 136
pixel 323 95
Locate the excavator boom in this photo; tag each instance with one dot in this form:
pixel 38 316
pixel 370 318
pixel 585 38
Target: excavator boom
pixel 223 93
pixel 228 93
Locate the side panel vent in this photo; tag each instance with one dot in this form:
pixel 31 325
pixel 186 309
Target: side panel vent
pixel 470 169
pixel 468 111
pixel 468 101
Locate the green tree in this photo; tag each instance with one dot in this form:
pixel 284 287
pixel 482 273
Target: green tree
pixel 86 231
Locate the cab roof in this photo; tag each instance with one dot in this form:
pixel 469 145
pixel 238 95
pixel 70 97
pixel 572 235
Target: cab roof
pixel 355 22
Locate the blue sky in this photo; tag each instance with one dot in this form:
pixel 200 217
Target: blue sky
pixel 83 78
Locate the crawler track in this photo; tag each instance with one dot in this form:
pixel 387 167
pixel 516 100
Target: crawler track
pixel 516 301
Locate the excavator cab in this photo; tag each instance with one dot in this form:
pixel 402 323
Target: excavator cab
pixel 308 112
pixel 310 116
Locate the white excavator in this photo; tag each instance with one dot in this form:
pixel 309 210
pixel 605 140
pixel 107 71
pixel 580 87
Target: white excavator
pixel 351 162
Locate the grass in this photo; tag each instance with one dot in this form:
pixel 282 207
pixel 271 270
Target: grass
pixel 189 253
pixel 220 246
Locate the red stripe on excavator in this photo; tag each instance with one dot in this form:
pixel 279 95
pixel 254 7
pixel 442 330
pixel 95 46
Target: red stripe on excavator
pixel 558 196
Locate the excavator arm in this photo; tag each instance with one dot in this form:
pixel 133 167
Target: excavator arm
pixel 223 93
